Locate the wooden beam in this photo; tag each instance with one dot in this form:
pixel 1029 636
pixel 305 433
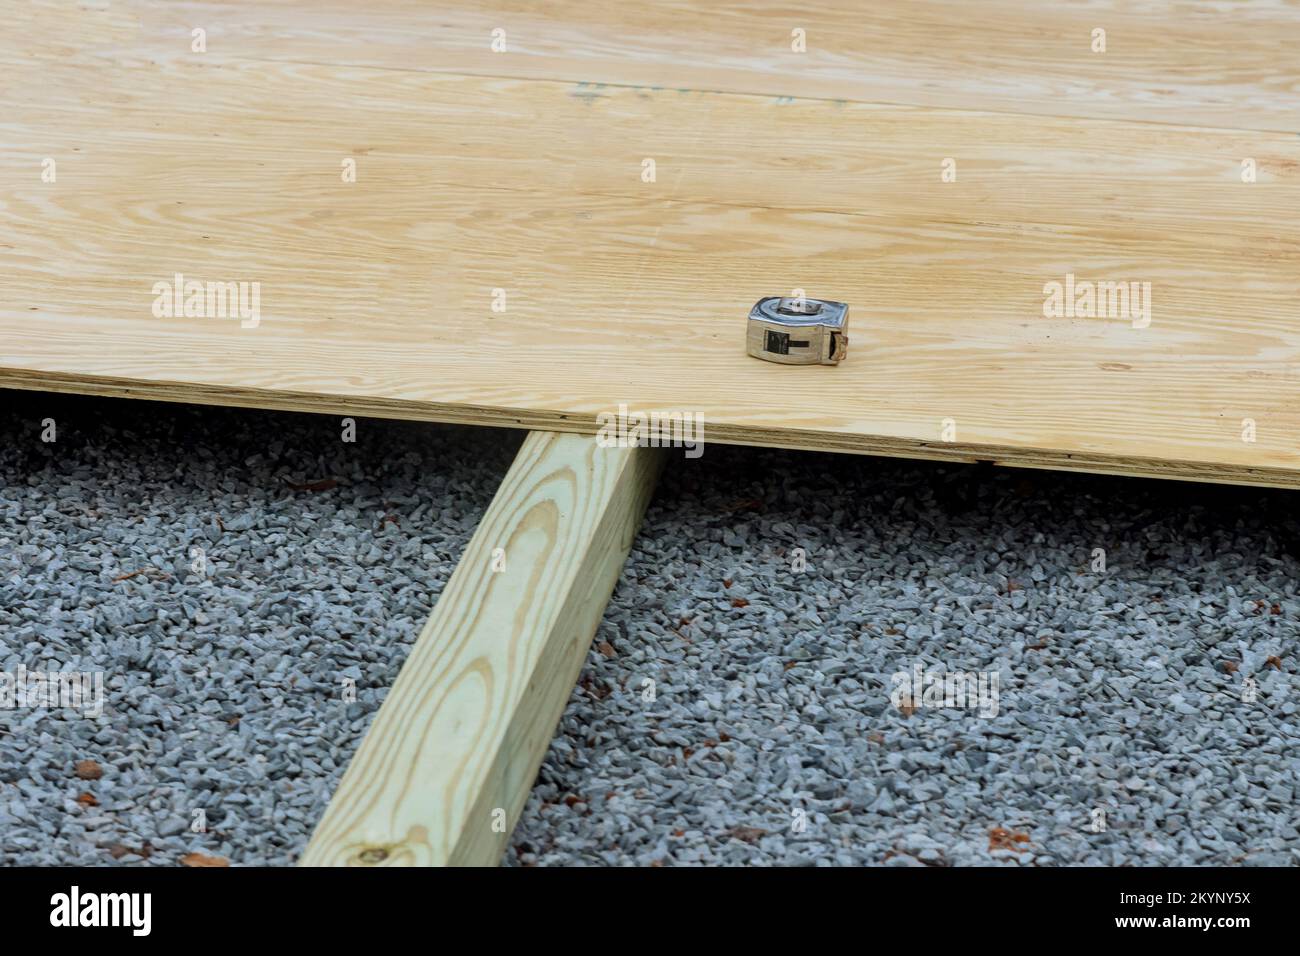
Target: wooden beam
pixel 445 770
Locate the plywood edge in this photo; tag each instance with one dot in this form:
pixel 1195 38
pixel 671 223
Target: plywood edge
pixel 449 761
pixel 1264 476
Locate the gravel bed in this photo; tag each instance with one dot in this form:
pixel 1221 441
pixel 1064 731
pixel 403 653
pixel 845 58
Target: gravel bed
pixel 1126 730
pixel 1135 642
pixel 223 680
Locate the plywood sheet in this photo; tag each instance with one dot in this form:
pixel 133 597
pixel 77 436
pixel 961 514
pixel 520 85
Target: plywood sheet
pixel 1198 62
pixel 376 296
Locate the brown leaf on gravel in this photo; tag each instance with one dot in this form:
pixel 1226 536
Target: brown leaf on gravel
pixel 1003 839
pixel 607 649
pixel 1231 666
pixel 739 602
pixel 324 484
pixel 726 582
pixel 595 688
pixel 1275 661
pixel 148 570
pixel 119 850
pixel 201 860
pixel 906 707
pixel 747 834
pixel 88 770
pixel 88 800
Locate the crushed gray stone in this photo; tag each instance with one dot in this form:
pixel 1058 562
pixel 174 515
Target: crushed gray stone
pixel 734 710
pixel 1125 733
pixel 224 571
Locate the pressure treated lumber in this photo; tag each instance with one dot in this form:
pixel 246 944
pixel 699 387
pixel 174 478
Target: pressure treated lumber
pixel 377 296
pixel 445 769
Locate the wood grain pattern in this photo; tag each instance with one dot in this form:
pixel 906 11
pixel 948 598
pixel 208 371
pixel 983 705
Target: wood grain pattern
pixel 457 742
pixel 377 295
pixel 1198 62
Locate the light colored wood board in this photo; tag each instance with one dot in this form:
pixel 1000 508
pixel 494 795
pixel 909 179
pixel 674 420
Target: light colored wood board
pixel 1197 62
pixel 953 452
pixel 457 742
pixel 423 132
pixel 376 295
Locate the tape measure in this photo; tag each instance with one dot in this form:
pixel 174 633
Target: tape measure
pixel 798 331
